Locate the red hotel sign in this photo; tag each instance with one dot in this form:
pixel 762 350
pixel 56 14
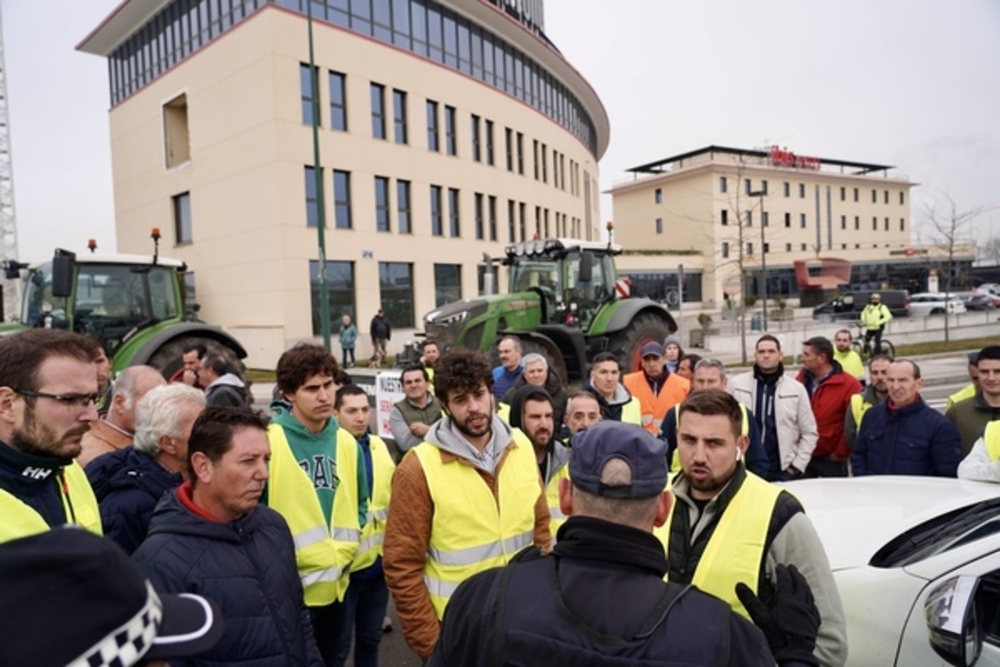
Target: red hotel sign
pixel 782 157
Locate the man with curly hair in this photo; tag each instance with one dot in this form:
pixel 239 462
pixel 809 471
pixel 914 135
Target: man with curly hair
pixel 466 499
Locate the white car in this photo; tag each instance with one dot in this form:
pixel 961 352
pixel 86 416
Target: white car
pixel 934 303
pixel 917 564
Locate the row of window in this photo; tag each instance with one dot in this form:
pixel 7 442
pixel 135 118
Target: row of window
pixel 481 131
pixel 444 208
pixel 786 189
pixel 748 221
pixel 396 285
pixel 788 247
pixel 431 30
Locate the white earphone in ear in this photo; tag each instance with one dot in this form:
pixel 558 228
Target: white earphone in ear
pixel 739 454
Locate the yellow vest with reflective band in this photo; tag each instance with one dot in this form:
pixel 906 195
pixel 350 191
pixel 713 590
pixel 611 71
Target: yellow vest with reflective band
pixel 632 412
pixel 968 391
pixel 675 460
pixel 859 406
pixel 79 504
pixel 556 516
pixel 373 534
pixel 323 554
pixel 736 549
pixel 991 438
pixel 503 411
pixel 470 532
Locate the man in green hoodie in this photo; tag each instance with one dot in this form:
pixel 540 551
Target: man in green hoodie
pixel 317 484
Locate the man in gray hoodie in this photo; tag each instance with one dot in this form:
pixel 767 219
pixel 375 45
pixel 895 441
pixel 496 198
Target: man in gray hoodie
pixel 222 385
pixel 466 499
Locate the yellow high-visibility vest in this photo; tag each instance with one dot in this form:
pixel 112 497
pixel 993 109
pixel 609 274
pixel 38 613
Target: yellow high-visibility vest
pixel 78 500
pixel 632 412
pixel 991 438
pixel 736 549
pixel 556 516
pixel 968 391
pixel 472 531
pixel 859 406
pixel 323 553
pixel 373 533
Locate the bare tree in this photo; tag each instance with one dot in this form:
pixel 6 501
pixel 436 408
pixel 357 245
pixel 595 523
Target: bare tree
pixel 949 226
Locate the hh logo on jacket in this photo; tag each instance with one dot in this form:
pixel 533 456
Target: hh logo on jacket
pixel 322 470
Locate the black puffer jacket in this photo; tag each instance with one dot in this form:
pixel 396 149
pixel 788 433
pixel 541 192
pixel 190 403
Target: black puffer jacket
pixel 128 483
pixel 247 567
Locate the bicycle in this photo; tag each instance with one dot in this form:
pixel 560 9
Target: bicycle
pixel 860 345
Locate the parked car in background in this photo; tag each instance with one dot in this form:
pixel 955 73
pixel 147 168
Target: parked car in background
pixel 935 303
pixel 848 306
pixel 917 564
pixel 990 288
pixel 977 300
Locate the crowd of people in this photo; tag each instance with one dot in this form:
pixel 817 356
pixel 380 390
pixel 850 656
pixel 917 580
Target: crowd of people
pixel 514 519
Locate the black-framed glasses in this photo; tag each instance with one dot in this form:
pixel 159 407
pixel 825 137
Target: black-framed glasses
pixel 69 400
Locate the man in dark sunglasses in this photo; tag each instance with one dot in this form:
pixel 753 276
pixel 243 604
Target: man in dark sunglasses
pixel 48 384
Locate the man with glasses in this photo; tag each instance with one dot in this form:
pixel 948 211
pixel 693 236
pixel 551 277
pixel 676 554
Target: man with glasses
pixel 48 384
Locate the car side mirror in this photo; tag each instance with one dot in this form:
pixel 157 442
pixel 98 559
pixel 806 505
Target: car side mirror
pixel 953 623
pixel 62 273
pixel 586 268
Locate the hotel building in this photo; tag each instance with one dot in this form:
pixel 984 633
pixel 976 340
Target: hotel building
pixel 447 129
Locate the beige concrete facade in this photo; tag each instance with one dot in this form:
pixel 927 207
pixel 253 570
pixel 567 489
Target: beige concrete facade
pixel 690 212
pixel 247 149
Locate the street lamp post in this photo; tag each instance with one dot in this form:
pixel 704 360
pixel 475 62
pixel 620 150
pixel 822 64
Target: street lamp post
pixel 763 255
pixel 324 287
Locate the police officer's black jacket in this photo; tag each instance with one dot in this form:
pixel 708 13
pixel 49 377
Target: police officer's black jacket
pixel 598 600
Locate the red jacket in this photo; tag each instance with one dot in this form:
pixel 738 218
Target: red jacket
pixel 830 402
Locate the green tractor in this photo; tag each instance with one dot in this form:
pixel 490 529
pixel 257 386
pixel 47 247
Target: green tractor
pixel 134 304
pixel 563 303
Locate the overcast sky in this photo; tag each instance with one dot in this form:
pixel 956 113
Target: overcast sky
pixel 910 83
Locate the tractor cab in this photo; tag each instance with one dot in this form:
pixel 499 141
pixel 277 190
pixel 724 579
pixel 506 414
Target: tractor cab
pixel 572 278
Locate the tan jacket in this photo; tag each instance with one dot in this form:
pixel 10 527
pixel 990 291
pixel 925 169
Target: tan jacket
pixel 100 439
pixel 407 535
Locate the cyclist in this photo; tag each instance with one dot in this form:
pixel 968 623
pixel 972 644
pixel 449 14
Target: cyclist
pixel 874 318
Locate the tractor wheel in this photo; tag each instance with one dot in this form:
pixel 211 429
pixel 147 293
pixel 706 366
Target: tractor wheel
pixel 626 345
pixel 168 359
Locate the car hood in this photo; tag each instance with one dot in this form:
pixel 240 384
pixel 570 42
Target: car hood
pixel 857 516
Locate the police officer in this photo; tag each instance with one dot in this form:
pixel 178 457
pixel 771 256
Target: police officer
pixel 540 610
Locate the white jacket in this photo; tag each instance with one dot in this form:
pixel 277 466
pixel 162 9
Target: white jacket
pixel 977 465
pixel 793 414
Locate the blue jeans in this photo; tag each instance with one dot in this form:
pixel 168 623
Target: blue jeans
pixel 364 608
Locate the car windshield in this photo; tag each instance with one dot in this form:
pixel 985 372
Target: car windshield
pixel 940 534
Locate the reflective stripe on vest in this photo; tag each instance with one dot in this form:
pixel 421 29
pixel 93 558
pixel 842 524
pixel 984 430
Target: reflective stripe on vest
pixel 78 500
pixel 736 549
pixel 373 534
pixel 323 554
pixel 556 516
pixel 859 406
pixel 991 438
pixel 471 530
pixel 675 460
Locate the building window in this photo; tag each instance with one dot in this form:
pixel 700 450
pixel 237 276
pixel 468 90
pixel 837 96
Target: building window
pixel 534 153
pixel 545 164
pixel 763 186
pixel 802 190
pixel 520 153
pixel 382 222
pixel 312 207
pixel 476 139
pixel 885 199
pixel 437 226
pixel 378 110
pixel 340 291
pixel 749 222
pixel 746 186
pixel 803 247
pixel 511 221
pixel 886 225
pixel 874 196
pixel 843 193
pixel 480 225
pixel 788 220
pixel 802 220
pixel 874 223
pixel 450 139
pixel 725 217
pixel 767 247
pixel 749 248
pixel 447 284
pixel 342 198
pixel 403 207
pixel 764 220
pixel 843 222
pixel 182 218
pixel 659 225
pixel 855 194
pixel 399 116
pixel 788 247
pixel 723 186
pixel 306 85
pixel 338 101
pixel 522 214
pixel 902 224
pixel 725 250
pixel 658 196
pixel 176 138
pixel 509 136
pixel 395 281
pixel 786 189
pixel 454 222
pixel 493 217
pixel 843 246
pixel 489 143
pixel 902 198
pixel 433 133
pixel 857 223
